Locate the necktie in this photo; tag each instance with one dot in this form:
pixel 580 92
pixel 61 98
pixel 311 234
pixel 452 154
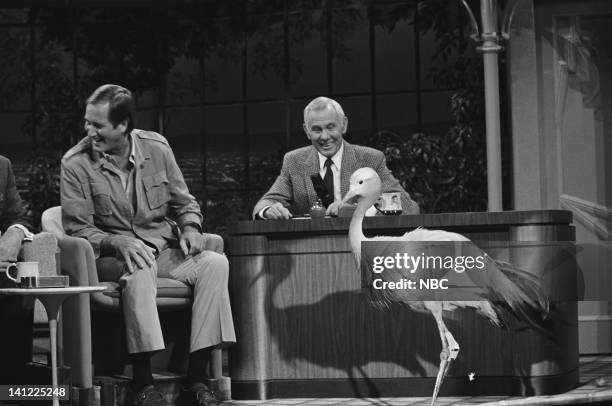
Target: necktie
pixel 329 179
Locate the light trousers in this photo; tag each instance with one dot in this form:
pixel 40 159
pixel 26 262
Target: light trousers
pixel 211 316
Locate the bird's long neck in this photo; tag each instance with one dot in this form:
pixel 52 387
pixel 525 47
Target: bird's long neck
pixel 356 228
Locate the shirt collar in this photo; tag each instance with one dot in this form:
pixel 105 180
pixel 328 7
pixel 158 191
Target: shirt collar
pixel 336 159
pixel 131 158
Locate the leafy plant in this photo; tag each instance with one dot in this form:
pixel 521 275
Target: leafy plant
pixel 446 173
pixel 43 182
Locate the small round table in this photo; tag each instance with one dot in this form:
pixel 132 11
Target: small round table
pixel 52 299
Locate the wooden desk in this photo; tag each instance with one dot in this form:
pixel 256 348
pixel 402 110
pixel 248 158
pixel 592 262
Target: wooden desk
pixel 305 328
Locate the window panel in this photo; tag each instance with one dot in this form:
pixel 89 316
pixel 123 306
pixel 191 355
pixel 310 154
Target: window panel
pixel 146 99
pixel 225 148
pixel 222 208
pixel 183 131
pixel 54 73
pixel 13 131
pixel 308 54
pixel 184 124
pixel 14 15
pixel 427 48
pixel 146 119
pixel 184 82
pixel 358 110
pixel 266 128
pixel 351 52
pixel 397 113
pixel 266 57
pixel 223 64
pixel 298 137
pixel 429 45
pixel 395 56
pixel 436 112
pixel 15 68
pixel 267 145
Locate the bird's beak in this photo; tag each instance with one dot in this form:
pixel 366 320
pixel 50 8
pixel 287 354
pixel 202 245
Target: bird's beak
pixel 348 196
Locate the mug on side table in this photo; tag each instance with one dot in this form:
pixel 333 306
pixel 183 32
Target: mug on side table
pixel 24 272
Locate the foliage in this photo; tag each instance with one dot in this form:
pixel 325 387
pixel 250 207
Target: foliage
pixel 43 182
pixel 442 174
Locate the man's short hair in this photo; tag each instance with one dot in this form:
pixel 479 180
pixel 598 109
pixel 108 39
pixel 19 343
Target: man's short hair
pixel 120 104
pixel 320 104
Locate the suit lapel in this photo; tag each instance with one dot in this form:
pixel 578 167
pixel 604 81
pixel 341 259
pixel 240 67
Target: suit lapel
pixel 349 165
pixel 311 165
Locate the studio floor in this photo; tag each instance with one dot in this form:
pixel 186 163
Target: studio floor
pixel 595 389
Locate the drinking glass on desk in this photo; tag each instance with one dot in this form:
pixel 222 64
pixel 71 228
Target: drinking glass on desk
pixel 317 210
pixel 390 204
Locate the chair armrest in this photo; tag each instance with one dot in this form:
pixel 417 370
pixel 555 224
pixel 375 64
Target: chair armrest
pixel 213 242
pixel 42 250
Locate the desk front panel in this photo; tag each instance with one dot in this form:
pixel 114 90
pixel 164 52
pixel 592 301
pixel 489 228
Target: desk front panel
pixel 305 325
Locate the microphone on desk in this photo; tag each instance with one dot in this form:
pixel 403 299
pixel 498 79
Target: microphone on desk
pixel 321 189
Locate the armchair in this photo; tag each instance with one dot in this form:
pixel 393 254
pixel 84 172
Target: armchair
pixel 78 261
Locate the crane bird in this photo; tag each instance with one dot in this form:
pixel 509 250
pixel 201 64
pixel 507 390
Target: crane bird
pixel 509 290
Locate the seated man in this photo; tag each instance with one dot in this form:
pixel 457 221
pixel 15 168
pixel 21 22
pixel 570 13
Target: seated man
pixel 16 321
pixel 330 157
pixel 122 190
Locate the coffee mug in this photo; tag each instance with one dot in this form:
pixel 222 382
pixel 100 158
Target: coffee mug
pixel 22 270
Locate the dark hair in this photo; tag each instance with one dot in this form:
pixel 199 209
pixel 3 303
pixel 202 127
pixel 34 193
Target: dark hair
pixel 120 104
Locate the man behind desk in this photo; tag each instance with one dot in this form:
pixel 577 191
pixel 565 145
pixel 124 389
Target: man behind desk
pixel 15 320
pixel 119 187
pixel 330 157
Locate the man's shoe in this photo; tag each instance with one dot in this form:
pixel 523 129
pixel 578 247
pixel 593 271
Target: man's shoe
pixel 148 396
pixel 198 395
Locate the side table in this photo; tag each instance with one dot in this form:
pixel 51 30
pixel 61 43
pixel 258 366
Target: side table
pixel 52 299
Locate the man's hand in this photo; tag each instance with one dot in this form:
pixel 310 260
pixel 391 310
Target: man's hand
pixel 277 211
pixel 132 249
pixel 10 244
pixel 332 209
pixel 192 242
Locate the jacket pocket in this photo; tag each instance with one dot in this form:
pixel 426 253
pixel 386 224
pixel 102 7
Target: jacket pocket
pixel 156 189
pixel 102 200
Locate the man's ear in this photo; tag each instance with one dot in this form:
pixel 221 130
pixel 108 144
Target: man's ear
pixel 122 126
pixel 305 127
pixel 344 124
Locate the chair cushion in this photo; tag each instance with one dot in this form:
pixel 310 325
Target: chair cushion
pixel 166 288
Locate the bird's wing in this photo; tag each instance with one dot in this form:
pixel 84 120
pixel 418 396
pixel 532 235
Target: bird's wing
pixel 515 290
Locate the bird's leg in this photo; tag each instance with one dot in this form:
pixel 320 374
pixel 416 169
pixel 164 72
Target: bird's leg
pixel 450 348
pixel 453 346
pixel 451 354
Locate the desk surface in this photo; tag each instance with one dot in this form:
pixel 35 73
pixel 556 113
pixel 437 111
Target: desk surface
pixel 51 291
pixel 332 225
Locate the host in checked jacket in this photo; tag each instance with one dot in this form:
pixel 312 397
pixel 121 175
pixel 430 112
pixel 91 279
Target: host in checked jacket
pixel 331 158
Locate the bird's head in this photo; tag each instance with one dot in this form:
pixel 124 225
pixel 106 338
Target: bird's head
pixel 364 184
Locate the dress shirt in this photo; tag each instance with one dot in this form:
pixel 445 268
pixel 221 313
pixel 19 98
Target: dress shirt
pixel 337 160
